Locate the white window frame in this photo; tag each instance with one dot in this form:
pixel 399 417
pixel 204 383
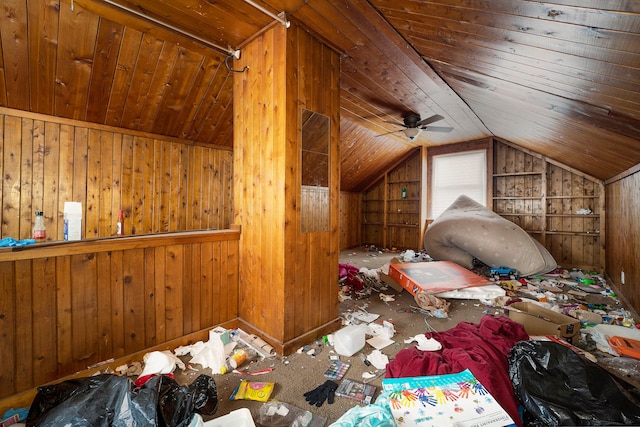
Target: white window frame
pixel 446 168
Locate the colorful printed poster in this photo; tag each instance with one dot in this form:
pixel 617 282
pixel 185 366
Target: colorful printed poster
pixel 457 400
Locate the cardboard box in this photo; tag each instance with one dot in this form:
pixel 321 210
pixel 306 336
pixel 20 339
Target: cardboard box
pixel 390 280
pixel 538 320
pixel 434 277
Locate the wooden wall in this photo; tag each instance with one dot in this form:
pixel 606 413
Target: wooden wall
pixel 350 220
pixel 67 306
pixel 547 199
pixel 288 278
pixel 623 236
pixel 161 184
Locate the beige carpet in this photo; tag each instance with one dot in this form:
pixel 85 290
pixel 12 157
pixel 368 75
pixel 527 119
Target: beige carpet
pixel 298 373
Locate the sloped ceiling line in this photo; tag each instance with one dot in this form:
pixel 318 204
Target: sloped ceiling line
pixel 228 50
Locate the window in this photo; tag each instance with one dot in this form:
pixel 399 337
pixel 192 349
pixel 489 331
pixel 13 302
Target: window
pixel 455 174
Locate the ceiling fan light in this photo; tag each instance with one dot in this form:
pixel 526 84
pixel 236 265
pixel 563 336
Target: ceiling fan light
pixel 412 133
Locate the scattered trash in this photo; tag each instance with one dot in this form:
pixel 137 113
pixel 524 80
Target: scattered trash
pixel 378 359
pixel 107 400
pixel 249 390
pixel 568 389
pixel 437 307
pixel 280 414
pixel 424 343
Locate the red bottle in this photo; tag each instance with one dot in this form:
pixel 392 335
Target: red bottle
pixel 120 226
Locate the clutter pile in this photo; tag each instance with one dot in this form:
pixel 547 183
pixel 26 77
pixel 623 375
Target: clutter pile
pixel 550 349
pixel 519 352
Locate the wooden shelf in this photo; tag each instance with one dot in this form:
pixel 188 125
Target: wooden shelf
pixel 509 174
pixel 398 218
pixel 574 233
pixel 559 192
pixel 574 215
pixel 573 197
pixel 518 198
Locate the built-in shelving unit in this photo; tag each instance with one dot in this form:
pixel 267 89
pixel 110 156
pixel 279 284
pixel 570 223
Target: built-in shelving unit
pixel 391 208
pixel 560 207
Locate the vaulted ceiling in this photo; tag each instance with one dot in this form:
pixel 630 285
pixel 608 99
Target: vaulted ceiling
pixel 560 78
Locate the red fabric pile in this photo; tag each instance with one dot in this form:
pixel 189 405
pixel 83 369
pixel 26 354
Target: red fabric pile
pixel 482 348
pixel 352 279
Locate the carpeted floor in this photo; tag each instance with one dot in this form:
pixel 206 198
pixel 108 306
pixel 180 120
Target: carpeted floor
pixel 300 372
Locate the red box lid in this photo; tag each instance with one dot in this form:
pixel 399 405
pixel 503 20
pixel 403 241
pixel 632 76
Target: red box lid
pixel 434 277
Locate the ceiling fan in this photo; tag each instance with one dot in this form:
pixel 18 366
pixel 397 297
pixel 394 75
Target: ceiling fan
pixel 413 125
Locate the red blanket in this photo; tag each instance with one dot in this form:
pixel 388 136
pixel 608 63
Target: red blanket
pixel 482 348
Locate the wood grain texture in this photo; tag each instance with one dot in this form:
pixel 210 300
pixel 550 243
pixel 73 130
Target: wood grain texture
pixel 287 287
pixel 623 235
pixel 559 79
pixel 76 310
pixel 544 199
pixel 47 163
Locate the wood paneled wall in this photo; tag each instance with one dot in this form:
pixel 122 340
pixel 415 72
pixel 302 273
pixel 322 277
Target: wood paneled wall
pixel 288 278
pixel 161 184
pixel 350 220
pixel 70 305
pixel 549 200
pixel 623 236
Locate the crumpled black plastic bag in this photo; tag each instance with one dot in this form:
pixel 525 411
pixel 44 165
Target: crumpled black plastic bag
pixel 557 387
pixel 111 400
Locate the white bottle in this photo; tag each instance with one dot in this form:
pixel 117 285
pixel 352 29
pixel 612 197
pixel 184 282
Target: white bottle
pixel 39 232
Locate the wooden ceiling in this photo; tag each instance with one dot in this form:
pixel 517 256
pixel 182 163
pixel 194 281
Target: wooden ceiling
pixel 560 78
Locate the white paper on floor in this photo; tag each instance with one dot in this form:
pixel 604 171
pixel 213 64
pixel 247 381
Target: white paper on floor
pixel 210 354
pixel 424 343
pixel 378 359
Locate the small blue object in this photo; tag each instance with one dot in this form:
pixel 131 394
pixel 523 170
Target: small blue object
pixel 7 242
pixel 21 412
pixel 10 242
pixel 498 272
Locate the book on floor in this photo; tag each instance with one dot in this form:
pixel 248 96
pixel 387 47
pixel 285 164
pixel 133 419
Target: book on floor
pixel 458 400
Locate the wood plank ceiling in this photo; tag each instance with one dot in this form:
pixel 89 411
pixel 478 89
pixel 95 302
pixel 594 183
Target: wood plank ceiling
pixel 561 78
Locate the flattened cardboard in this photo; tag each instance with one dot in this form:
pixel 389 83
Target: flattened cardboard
pixel 434 277
pixel 538 320
pixel 390 280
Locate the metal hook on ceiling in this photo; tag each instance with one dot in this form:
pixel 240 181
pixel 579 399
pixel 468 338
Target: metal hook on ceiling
pixel 236 55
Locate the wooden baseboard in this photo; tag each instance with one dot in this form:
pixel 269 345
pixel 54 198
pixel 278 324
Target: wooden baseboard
pixel 288 347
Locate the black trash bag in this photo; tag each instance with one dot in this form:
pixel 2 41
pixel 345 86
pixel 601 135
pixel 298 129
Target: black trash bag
pixel 111 400
pixel 558 387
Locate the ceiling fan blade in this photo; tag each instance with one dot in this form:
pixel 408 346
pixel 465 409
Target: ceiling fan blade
pixel 395 123
pixel 387 133
pixel 444 129
pixel 429 120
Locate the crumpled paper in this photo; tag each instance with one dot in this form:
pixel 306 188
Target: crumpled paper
pixel 210 354
pixel 424 343
pixel 160 363
pixel 382 334
pixel 378 359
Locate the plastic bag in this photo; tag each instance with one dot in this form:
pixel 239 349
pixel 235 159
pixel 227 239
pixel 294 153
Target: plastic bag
pixel 377 414
pixel 280 414
pixel 252 390
pixel 556 386
pixel 110 400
